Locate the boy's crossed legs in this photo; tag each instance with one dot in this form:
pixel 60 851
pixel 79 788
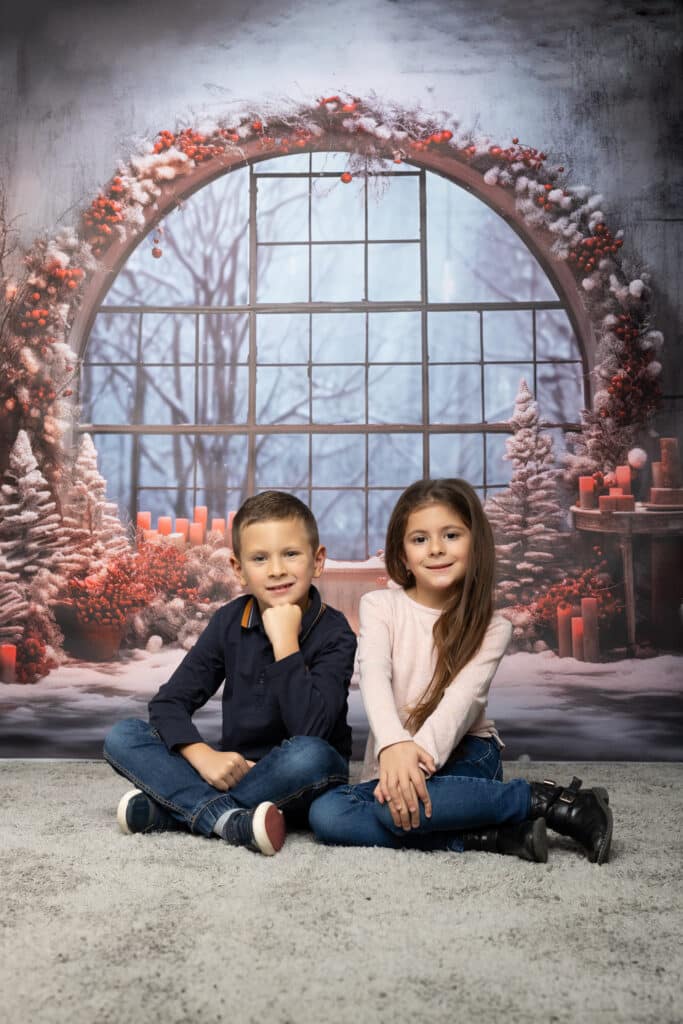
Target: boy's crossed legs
pixel 287 780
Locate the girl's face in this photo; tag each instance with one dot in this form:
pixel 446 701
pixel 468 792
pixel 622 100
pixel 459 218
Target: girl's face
pixel 436 547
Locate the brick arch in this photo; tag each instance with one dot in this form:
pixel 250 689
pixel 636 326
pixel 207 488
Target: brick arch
pixel 448 165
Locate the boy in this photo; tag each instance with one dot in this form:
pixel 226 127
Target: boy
pixel 287 661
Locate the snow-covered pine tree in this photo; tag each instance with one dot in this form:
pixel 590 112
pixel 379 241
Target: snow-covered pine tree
pixel 30 526
pixel 93 532
pixel 13 604
pixel 527 517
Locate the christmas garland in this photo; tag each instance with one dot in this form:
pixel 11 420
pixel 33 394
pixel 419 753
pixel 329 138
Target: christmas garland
pixel 39 366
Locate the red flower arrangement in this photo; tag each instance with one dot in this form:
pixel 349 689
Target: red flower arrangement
pixel 592 582
pixel 33 661
pixel 165 570
pixel 110 596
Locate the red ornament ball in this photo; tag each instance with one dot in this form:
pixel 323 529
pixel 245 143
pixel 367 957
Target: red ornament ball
pixel 156 252
pixel 347 177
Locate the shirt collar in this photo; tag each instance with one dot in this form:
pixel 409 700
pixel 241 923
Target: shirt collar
pixel 251 614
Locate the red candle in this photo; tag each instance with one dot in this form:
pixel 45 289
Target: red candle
pixel 671 466
pixel 164 525
pixel 201 514
pixel 8 663
pixel 625 503
pixel 605 503
pixel 564 630
pixel 196 534
pixel 623 478
pixel 614 491
pixel 218 525
pixel 182 526
pixel 151 536
pixel 587 493
pixel 144 521
pixel 577 638
pixel 589 614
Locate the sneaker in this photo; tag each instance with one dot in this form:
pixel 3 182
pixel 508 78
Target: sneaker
pixel 262 829
pixel 139 813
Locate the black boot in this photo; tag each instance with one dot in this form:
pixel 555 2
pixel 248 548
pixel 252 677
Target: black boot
pixel 582 814
pixel 527 840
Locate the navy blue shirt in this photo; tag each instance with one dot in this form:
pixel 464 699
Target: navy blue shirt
pixel 264 701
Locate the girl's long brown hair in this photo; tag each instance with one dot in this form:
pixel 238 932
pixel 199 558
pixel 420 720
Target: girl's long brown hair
pixel 459 630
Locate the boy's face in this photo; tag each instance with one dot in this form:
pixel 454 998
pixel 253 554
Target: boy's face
pixel 277 562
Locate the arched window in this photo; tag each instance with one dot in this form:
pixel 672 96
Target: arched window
pixel 338 340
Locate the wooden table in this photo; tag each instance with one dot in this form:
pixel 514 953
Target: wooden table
pixel 666 524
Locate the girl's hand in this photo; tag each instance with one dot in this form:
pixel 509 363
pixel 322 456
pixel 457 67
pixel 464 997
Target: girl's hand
pixel 402 782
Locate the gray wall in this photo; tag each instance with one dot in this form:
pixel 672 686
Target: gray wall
pixel 594 82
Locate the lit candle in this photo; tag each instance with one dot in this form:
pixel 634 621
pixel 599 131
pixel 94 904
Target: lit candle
pixel 564 630
pixel 218 525
pixel 589 614
pixel 164 525
pixel 196 534
pixel 577 638
pixel 623 478
pixel 201 514
pixel 144 521
pixel 182 526
pixel 8 663
pixel 587 493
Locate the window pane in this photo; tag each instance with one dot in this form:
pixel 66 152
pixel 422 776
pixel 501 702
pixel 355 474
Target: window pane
pixel 555 338
pixel 380 506
pixel 560 392
pixel 338 394
pixel 337 273
pixel 219 503
pixel 114 460
pixel 508 335
pixel 338 460
pixel 282 209
pixel 282 273
pixel 330 162
pixel 281 461
pixel 458 455
pixel 205 252
pixel 223 394
pixel 338 337
pixel 454 338
pixel 394 460
pixel 473 255
pixel 166 501
pixel 395 212
pixel 498 469
pixel 395 337
pixel 223 338
pixel 287 164
pixel 394 272
pixel 455 394
pixel 337 210
pixel 167 394
pixel 282 338
pixel 168 338
pixel 108 394
pixel 221 465
pixel 501 384
pixel 282 394
pixel 166 457
pixel 113 338
pixel 341 519
pixel 394 394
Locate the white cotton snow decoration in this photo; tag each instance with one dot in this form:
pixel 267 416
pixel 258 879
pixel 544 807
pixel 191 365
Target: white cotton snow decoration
pixel 653 369
pixel 601 400
pixel 652 340
pixel 522 183
pixel 491 176
pixel 636 288
pixel 637 458
pixel 555 195
pixel 154 644
pixel 589 283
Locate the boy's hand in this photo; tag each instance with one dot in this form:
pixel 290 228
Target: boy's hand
pixel 220 769
pixel 402 782
pixel 282 624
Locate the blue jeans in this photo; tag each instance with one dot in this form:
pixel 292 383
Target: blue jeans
pixel 290 775
pixel 467 792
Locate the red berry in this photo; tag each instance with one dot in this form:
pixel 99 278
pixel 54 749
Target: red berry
pixel 156 252
pixel 346 177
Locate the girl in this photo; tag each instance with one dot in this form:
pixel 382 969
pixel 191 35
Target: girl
pixel 428 651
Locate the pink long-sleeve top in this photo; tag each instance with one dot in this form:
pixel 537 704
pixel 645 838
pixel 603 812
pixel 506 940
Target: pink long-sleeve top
pixel 397 659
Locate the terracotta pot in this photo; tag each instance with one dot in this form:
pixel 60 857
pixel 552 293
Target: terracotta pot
pixel 91 641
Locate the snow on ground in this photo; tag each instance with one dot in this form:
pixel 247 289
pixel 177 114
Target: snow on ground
pixel 545 707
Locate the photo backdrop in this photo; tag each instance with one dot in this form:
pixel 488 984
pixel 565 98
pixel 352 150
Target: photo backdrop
pixel 335 297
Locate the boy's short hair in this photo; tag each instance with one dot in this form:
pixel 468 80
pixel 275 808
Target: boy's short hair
pixel 273 505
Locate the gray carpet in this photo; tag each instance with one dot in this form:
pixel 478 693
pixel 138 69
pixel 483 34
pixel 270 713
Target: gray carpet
pixel 101 927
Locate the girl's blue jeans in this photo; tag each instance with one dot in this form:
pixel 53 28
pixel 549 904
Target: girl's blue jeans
pixel 291 775
pixel 466 793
